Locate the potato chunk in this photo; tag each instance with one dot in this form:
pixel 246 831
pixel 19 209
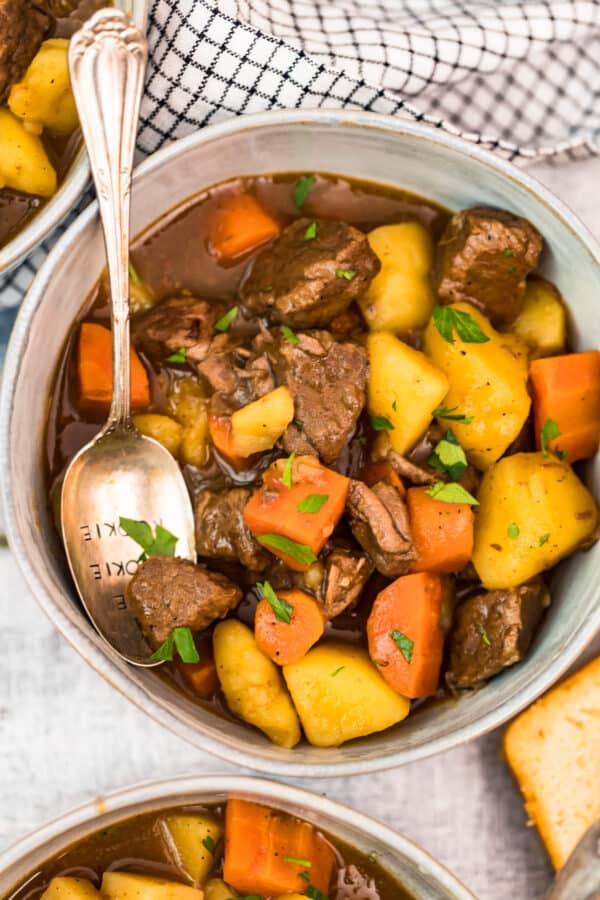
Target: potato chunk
pixel 24 164
pixel 187 404
pixel 127 886
pixel 252 684
pixel 163 429
pixel 44 99
pixel 404 388
pixel 70 889
pixel 216 889
pixel 340 695
pixel 533 512
pixel 192 841
pixel 542 323
pixel 400 298
pixel 259 425
pixel 488 382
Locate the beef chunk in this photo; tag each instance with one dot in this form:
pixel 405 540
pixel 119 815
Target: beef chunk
pixel 177 322
pixel 380 523
pixel 484 256
pixel 234 374
pixel 221 532
pixel 167 593
pixel 346 573
pixel 22 30
pixel 327 380
pixel 491 631
pixel 300 282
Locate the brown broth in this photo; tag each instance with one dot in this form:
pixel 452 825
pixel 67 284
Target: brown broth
pixel 136 845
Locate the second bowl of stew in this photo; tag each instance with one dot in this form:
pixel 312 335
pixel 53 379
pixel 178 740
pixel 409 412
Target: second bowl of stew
pixel 381 382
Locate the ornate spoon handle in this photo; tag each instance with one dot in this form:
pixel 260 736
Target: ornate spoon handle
pixel 107 59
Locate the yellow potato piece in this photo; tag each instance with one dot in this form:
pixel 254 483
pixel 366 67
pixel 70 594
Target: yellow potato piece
pixel 542 323
pixel 404 387
pixel 24 165
pixel 70 889
pixel 259 425
pixel 400 298
pixel 44 96
pixel 163 429
pixel 488 381
pixel 127 886
pixel 552 510
pixel 192 841
pixel 188 405
pixel 340 695
pixel 252 684
pixel 216 889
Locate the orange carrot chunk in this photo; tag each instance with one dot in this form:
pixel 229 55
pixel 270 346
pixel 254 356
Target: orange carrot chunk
pixel 219 428
pixel 382 471
pixel 94 368
pixel 200 677
pixel 566 390
pixel 442 532
pixel 286 632
pixel 240 224
pixel 405 635
pixel 263 850
pixel 304 513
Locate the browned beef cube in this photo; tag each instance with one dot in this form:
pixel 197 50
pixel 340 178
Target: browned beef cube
pixel 307 283
pixel 492 631
pixel 174 323
pixel 23 26
pixel 484 257
pixel 167 593
pixel 221 532
pixel 380 523
pixel 347 571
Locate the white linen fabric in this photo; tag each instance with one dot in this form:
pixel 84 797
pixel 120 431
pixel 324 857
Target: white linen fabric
pixel 519 78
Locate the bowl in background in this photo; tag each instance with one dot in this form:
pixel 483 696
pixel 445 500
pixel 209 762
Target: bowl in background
pixel 380 148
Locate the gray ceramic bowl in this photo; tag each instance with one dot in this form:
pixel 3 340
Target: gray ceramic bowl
pixel 413 867
pixel 391 151
pixel 59 206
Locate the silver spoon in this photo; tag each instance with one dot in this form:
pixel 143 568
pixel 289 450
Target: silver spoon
pixel 120 473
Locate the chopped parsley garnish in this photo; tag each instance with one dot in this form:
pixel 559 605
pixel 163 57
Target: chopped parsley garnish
pixel 337 671
pixel 299 424
pixel 298 862
pixel 226 320
pixel 372 857
pixel 513 530
pixel 484 636
pixel 449 456
pixel 304 875
pixel 544 538
pixel 182 640
pixel 508 251
pixel 301 553
pixel 442 412
pixel 312 503
pixel 133 274
pixel 395 405
pixel 153 543
pixel 314 893
pixel 288 471
pixel 348 274
pixel 448 320
pixel 179 356
pixel 404 644
pixel 311 232
pixel 381 423
pixel 302 189
pixel 283 611
pixel 451 493
pixel 289 335
pixel 549 432
pixel 209 844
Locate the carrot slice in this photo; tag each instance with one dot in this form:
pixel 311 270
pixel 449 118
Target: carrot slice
pixel 263 849
pixel 219 428
pixel 382 471
pixel 277 509
pixel 94 369
pixel 201 677
pixel 442 532
pixel 240 224
pixel 287 642
pixel 566 389
pixel 405 635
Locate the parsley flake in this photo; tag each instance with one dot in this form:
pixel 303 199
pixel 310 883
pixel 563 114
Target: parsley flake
pixel 348 274
pixel 182 640
pixel 508 251
pixel 159 542
pixel 443 412
pixel 209 843
pixel 544 538
pixel 133 274
pixel 288 471
pixel 312 503
pixel 381 423
pixel 178 357
pixel 283 610
pixel 311 232
pixel 513 530
pixel 484 636
pixel 314 893
pixel 302 189
pixel 289 335
pixel 298 862
pixel 549 432
pixel 404 644
pixel 451 493
pixel 448 320
pixel 226 320
pixel 301 553
pixel 449 456
pixel 337 671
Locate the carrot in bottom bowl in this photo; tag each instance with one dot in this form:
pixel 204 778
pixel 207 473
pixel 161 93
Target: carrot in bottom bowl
pixel 405 634
pixel 265 849
pixel 288 635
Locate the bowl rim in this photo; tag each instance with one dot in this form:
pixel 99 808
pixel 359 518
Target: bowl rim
pixel 261 788
pixel 102 660
pixel 57 208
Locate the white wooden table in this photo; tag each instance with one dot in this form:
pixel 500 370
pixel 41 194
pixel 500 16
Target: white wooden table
pixel 66 737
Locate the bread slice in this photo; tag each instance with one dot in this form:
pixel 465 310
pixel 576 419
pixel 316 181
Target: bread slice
pixel 553 749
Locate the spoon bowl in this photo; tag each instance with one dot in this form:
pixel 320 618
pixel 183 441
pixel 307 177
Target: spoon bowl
pixel 120 473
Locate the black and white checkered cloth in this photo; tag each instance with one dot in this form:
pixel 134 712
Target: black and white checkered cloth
pixel 521 78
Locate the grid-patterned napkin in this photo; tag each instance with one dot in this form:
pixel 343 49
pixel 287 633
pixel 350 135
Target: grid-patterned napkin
pixel 521 78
